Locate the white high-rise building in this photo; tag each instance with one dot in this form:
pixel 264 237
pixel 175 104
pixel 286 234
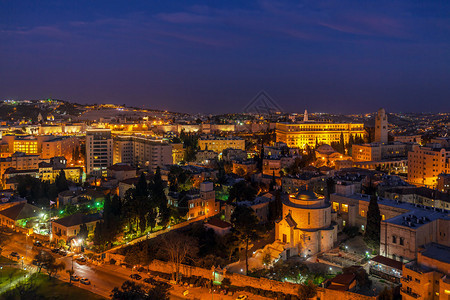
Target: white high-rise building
pixel 381 127
pixel 142 152
pixel 99 155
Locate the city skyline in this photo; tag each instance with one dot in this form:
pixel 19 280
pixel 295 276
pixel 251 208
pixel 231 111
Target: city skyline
pixel 215 58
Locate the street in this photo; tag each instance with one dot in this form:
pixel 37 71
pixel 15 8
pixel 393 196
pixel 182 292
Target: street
pixel 103 278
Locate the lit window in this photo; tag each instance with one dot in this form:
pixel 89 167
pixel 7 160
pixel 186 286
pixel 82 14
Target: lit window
pixel 344 207
pixel 335 206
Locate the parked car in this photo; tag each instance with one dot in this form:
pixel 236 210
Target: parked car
pixel 75 278
pixel 136 276
pixel 81 260
pixel 37 243
pixel 85 281
pixel 15 255
pixel 149 280
pixel 242 297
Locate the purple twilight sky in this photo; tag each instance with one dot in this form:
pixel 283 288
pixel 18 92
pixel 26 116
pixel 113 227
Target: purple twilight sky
pixel 215 56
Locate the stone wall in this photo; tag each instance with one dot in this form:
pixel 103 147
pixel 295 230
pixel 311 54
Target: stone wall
pixel 260 283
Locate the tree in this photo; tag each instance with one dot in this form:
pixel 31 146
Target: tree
pixel 83 233
pixel 245 223
pixel 275 207
pixel 99 237
pixel 331 185
pixel 43 259
pixel 159 197
pixel 61 182
pixel 53 268
pixel 242 191
pixel 130 290
pixel 70 272
pixel 372 234
pixel 178 247
pixel 307 291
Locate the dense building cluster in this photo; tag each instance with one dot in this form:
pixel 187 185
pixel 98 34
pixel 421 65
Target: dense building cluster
pixel 269 191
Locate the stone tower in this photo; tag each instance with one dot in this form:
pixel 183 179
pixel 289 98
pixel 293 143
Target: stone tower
pixel 381 127
pixel 305 116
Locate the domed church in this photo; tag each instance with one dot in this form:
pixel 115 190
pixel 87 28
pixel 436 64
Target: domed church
pixel 307 226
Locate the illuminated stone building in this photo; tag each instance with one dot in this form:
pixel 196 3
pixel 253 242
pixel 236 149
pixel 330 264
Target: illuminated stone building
pixel 429 276
pixel 381 126
pixel 306 227
pixel 19 161
pixel 203 204
pixel 426 163
pixel 300 134
pixel 218 144
pixel 142 152
pixel 59 146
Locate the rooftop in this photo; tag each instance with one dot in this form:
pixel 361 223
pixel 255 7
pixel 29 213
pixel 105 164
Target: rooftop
pixel 387 262
pixel 218 223
pixel 21 211
pixel 78 219
pixel 415 215
pixel 437 251
pixel 121 167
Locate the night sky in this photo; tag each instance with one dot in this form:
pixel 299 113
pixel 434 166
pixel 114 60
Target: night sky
pixel 215 56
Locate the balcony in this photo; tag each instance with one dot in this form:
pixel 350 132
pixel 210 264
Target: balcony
pixel 410 293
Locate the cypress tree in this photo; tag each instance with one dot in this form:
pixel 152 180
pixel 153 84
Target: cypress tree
pixel 372 235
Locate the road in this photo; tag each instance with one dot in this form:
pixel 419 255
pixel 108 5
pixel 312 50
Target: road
pixel 103 278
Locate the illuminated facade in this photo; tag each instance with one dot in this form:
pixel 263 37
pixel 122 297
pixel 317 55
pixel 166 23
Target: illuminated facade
pixel 301 134
pixel 307 227
pixel 99 154
pixel 426 163
pixel 204 204
pixel 381 127
pixel 218 144
pixel 26 146
pixel 429 276
pixel 142 151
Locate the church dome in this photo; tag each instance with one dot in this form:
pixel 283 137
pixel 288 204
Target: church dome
pixel 306 196
pixel 305 199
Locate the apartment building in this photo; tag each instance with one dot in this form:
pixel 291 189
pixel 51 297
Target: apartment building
pixel 378 151
pixel 218 144
pixel 19 161
pixel 142 152
pixel 59 146
pixel 99 154
pixel 428 276
pixel 426 163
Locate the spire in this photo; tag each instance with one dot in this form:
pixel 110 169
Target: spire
pixel 305 116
